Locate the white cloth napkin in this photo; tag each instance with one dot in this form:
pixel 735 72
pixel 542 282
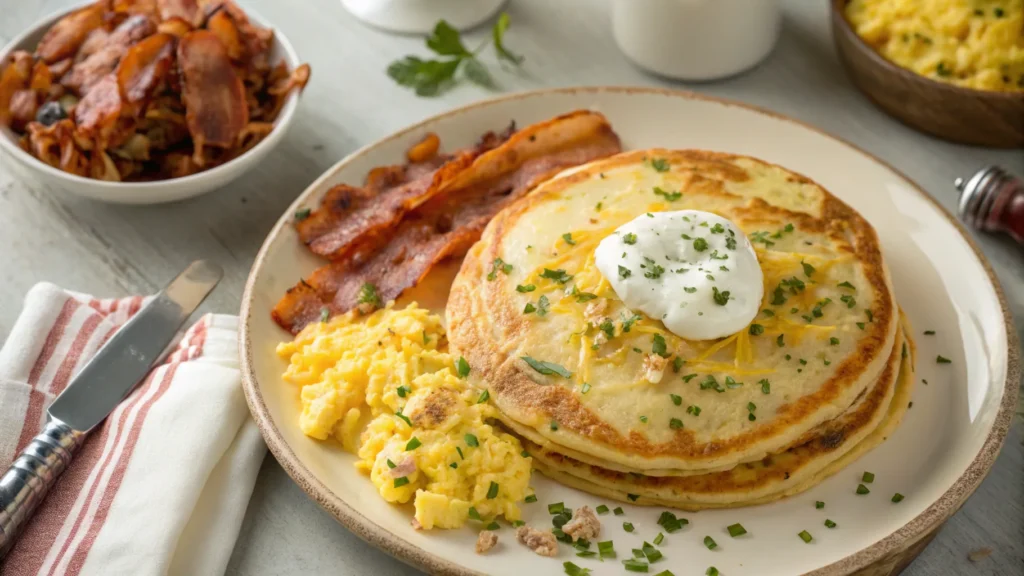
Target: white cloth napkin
pixel 162 485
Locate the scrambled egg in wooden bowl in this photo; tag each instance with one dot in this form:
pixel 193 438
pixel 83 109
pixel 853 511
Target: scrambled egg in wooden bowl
pixel 976 44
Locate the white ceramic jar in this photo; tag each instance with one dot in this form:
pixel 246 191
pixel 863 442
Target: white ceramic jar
pixel 420 16
pixel 696 39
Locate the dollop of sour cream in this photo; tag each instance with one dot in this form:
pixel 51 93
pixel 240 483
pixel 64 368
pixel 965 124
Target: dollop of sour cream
pixel 693 270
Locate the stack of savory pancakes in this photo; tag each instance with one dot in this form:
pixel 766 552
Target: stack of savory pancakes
pixel 822 374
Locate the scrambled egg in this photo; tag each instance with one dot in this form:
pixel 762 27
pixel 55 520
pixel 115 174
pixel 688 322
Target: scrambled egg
pixel 426 435
pixel 971 43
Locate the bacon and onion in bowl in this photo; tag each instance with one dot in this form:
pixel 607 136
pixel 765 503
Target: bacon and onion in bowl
pixel 146 101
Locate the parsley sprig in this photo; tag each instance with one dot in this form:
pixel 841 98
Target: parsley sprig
pixel 432 77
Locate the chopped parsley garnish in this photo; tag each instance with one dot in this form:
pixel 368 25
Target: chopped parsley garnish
pixel 547 368
pixel 525 288
pixel 717 228
pixel 867 478
pixel 761 237
pixel 943 360
pixel 676 399
pixel 829 523
pixel 700 244
pixel 710 543
pixel 766 386
pixel 658 346
pixel 808 269
pixel 629 238
pixel 492 491
pixel 568 239
pixel 756 329
pixel 302 214
pixel 632 497
pixel 524 454
pixel 833 341
pixel 584 296
pixel 850 301
pixel 943 70
pixel 624 272
pixel 399 482
pixel 471 441
pixel 559 275
pixel 736 530
pixel 794 284
pixel 669 196
pixel 675 424
pixel 493 526
pixel 454 465
pixel 496 265
pixel 721 298
pixel 542 306
pixel 368 295
pixel 897 498
pixel 731 382
pixel 484 396
pixel 711 383
pixel 403 417
pixel 691 409
pixel 608 328
pixel 689 377
pixel 860 325
pixel 846 285
pixel 999 12
pixel 402 391
pixel 529 308
pixel 751 408
pixel 778 296
pixel 643 419
pixel 805 536
pixel 730 243
pixel 677 364
pixel 816 311
pixel 655 270
pixel 711 571
pixel 781 340
pixel 462 367
pixel 862 489
pixel 413 444
pixel 628 323
pixel 870 315
pixel 659 164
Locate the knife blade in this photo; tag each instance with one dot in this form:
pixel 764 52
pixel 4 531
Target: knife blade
pixel 94 393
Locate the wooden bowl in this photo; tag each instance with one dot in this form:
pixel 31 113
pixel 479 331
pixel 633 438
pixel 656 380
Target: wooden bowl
pixel 978 117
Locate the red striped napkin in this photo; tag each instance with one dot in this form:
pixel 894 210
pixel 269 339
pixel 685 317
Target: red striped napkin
pixel 162 485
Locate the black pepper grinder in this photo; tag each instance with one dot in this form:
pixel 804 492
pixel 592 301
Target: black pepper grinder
pixel 993 201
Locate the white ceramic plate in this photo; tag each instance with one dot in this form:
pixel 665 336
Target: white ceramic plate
pixel 158 191
pixel 938 456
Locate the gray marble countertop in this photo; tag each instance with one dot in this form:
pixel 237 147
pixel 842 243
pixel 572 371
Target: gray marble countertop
pixel 115 250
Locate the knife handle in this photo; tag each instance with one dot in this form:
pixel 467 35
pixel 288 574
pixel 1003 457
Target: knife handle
pixel 25 484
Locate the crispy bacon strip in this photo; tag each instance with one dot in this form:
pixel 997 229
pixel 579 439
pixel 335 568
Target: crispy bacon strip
pixel 97 114
pixel 450 222
pixel 144 67
pixel 14 77
pixel 213 94
pixel 66 36
pixel 224 27
pixel 352 221
pixel 85 74
pixel 187 10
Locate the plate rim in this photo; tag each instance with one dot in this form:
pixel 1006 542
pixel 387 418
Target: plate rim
pixel 917 529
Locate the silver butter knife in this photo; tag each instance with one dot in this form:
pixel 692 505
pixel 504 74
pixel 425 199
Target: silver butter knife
pixel 101 385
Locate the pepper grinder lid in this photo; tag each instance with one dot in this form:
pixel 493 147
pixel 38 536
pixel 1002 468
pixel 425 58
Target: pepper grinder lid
pixel 992 200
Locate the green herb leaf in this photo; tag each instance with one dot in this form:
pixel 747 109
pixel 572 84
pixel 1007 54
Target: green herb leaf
pixel 606 549
pixel 462 367
pixel 669 196
pixel 499 265
pixel 492 491
pixel 413 444
pixel 805 536
pixel 659 347
pixel 943 360
pixel 700 244
pixel 403 391
pixel 721 298
pixel 568 239
pixel 368 295
pixel 474 514
pixel 675 424
pixel 477 73
pixel 818 505
pixel 808 269
pixel 897 498
pixel 629 238
pixel 399 482
pixel 525 288
pixel 736 530
pixel 302 214
pixel 325 314
pixel 862 489
pixel 618 511
pixel 403 417
pixel 574 570
pixel 766 386
pixel 530 499
pixel 676 399
pixel 484 396
pixel 829 523
pixel 867 478
pixel 498 34
pixel 446 40
pixel 756 329
pixel 547 368
pixel 559 275
pixel 710 543
pixel 624 272
pixel 627 526
pixel 471 441
pixel 659 164
pixel 602 509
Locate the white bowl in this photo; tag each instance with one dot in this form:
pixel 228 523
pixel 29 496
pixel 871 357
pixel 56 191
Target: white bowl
pixel 160 191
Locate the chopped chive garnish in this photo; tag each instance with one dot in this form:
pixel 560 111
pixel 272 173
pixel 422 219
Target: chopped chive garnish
pixel 736 530
pixel 493 526
pixel 585 388
pixel 929 332
pixel 627 526
pixel 781 340
pixel 525 288
pixel 471 440
pixel 829 523
pixel 943 360
pixel 518 523
pixel 643 419
pixel 652 553
pixel 399 482
pixel 897 497
pixel 556 508
pixel 553 425
pixel 833 341
pixel 805 536
pixel 547 368
pixel 602 509
pixel 862 489
pixel 676 399
pixel 665 573
pixel 808 269
pixel 459 450
pixel 659 539
pixel 302 214
pixel 632 497
pixel 454 465
pixel 568 239
pixel 402 391
pixel 634 565
pixel 413 444
pixel 675 424
pixel 474 514
pixel 711 571
pixel 492 491
pixel 710 543
pixel 659 164
pixel 867 478
pixel 606 549
pixel 618 511
pixel 530 498
pixel 462 367
pixel 819 505
pixel 483 397
pixel 846 285
pixel 574 570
